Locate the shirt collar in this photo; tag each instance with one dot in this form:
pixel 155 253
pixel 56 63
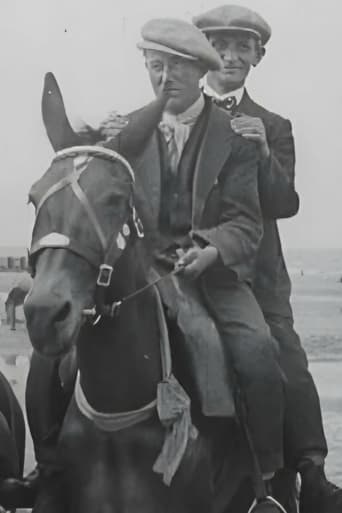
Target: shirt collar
pixel 190 115
pixel 238 93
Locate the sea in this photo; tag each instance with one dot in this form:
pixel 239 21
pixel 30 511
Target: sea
pixel 317 300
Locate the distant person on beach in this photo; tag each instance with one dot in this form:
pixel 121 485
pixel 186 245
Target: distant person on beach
pixel 239 35
pixel 16 296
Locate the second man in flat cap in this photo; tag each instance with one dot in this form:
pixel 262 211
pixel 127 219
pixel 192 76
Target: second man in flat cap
pixel 239 35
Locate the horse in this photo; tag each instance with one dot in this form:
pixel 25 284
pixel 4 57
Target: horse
pixel 88 248
pixel 12 444
pixel 16 297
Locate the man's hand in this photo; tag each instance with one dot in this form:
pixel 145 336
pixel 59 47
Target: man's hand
pixel 113 125
pixel 196 260
pixel 252 129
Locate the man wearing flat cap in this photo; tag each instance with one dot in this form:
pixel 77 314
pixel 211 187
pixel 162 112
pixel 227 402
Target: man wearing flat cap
pixel 201 182
pixel 239 35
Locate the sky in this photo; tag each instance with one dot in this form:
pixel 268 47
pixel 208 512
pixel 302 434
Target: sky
pixel 91 48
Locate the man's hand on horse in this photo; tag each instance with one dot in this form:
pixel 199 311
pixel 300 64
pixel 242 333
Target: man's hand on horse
pixel 196 260
pixel 252 129
pixel 113 124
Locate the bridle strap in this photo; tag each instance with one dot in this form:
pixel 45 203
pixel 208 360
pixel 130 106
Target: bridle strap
pixel 72 180
pixel 96 151
pixel 79 193
pixel 153 283
pixel 90 211
pixel 64 182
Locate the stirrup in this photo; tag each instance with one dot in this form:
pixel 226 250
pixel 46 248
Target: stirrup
pixel 269 499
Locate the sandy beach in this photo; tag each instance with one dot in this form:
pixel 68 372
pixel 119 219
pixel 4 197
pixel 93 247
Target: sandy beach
pixel 317 304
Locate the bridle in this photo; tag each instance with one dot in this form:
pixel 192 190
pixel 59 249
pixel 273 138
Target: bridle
pixel 111 249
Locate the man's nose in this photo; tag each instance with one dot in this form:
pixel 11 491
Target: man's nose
pixel 229 55
pixel 166 73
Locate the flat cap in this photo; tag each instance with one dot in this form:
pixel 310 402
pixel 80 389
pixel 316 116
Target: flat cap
pixel 234 18
pixel 178 37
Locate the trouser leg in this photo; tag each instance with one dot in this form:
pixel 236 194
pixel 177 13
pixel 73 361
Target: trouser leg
pixel 251 350
pixel 303 428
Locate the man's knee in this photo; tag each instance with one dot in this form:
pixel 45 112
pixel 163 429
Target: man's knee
pixel 292 356
pixel 247 339
pixel 255 356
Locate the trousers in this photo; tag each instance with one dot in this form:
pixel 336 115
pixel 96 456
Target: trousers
pixel 252 352
pixel 303 428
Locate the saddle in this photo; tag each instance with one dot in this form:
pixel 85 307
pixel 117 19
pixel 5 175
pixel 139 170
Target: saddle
pixel 200 351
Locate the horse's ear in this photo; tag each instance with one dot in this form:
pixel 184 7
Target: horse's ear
pixel 58 128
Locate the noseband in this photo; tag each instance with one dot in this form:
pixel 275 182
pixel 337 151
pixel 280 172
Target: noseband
pixel 116 243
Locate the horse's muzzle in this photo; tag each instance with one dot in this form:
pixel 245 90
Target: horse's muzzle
pixel 52 323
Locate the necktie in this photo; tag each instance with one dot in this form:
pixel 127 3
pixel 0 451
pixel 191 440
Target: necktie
pixel 176 130
pixel 228 103
pixel 176 135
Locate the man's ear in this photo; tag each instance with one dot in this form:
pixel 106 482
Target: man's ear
pixel 259 54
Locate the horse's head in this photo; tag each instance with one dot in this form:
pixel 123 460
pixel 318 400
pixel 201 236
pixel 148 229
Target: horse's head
pixel 84 218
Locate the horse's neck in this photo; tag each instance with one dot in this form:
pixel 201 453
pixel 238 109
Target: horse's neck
pixel 119 360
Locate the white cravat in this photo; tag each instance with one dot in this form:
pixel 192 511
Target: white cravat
pixel 176 129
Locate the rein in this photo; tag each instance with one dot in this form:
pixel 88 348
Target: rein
pixel 114 307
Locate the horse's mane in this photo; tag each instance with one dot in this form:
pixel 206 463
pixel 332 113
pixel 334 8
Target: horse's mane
pixel 109 128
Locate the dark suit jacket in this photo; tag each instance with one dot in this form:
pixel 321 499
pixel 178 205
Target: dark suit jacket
pixel 225 204
pixel 278 199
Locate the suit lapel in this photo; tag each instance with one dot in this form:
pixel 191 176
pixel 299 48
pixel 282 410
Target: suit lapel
pixel 214 151
pixel 189 155
pixel 147 169
pixel 246 106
